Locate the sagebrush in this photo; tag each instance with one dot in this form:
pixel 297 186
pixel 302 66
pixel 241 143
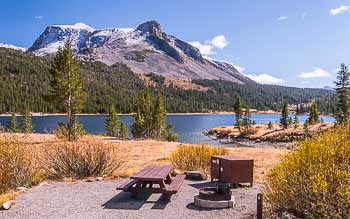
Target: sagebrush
pixel 18 166
pixel 314 180
pixel 195 157
pixel 83 158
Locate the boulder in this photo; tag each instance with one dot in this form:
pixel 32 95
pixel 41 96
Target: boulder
pixel 195 175
pixel 6 206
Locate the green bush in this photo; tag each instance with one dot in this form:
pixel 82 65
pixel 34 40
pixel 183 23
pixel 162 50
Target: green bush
pixel 314 180
pixel 195 157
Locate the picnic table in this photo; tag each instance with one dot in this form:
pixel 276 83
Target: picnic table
pixel 145 180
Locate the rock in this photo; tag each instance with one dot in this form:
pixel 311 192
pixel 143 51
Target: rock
pixel 99 178
pixel 89 180
pixel 21 188
pixel 195 175
pixel 6 206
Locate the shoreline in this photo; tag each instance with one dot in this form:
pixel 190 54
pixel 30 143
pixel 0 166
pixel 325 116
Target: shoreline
pixel 130 114
pixel 262 135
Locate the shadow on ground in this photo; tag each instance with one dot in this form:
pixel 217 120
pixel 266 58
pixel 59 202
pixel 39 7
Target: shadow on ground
pixel 123 200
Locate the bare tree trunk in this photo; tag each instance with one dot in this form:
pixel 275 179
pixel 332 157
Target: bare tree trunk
pixel 69 117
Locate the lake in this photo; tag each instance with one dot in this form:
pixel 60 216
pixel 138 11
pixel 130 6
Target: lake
pixel 189 127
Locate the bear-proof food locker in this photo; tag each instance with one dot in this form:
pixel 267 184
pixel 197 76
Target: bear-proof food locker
pixel 232 169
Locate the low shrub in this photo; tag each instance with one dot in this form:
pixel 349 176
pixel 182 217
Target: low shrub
pixel 314 180
pixel 195 157
pixel 83 158
pixel 17 165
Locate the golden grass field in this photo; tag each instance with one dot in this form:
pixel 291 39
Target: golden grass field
pixel 140 153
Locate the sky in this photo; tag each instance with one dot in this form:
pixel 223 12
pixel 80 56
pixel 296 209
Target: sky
pixel 287 42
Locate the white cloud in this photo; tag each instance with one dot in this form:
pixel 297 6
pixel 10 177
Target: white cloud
pixel 340 10
pixel 219 41
pixel 282 18
pixel 316 73
pixel 265 79
pixel 239 68
pixel 204 49
pixel 207 48
pixel 39 17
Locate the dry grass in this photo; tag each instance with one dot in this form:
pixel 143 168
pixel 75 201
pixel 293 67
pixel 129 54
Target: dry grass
pixel 195 157
pixel 9 196
pixel 18 164
pixel 90 156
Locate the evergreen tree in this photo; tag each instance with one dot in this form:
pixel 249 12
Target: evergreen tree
pixel 314 116
pixel 124 133
pixel 270 126
pixel 150 118
pixel 296 121
pixel 77 128
pixel 247 119
pixel 113 126
pixel 343 95
pixel 143 115
pixel 238 108
pixel 66 85
pixel 158 117
pixel 284 116
pixel 26 123
pixel 12 124
pixel 297 111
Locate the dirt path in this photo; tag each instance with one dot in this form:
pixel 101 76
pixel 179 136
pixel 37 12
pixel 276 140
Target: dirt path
pixel 100 200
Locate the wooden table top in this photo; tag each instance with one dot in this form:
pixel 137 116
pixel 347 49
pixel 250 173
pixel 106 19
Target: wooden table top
pixel 153 172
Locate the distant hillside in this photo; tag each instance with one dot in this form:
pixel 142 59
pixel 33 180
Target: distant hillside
pixel 24 79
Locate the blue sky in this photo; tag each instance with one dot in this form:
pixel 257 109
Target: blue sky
pixel 292 42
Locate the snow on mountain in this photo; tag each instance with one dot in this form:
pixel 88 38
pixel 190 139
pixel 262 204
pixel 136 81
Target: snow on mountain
pixel 144 49
pixel 12 47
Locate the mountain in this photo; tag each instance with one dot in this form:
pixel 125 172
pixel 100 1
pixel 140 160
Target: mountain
pixel 144 49
pixel 9 46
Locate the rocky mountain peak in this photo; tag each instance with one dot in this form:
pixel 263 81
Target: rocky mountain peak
pixel 144 49
pixel 150 27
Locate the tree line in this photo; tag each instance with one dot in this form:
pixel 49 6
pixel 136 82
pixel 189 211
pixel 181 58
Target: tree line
pixel 25 80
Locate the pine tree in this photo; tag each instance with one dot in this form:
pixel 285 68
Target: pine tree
pixel 66 85
pixel 124 133
pixel 12 124
pixel 150 118
pixel 284 116
pixel 247 119
pixel 297 111
pixel 343 95
pixel 158 117
pixel 314 116
pixel 113 127
pixel 270 126
pixel 238 108
pixel 143 115
pixel 26 123
pixel 296 121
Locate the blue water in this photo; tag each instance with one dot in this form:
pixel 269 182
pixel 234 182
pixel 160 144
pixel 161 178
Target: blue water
pixel 189 127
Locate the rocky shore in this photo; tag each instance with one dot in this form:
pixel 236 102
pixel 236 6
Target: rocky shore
pixel 261 135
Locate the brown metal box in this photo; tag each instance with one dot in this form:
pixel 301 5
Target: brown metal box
pixel 232 169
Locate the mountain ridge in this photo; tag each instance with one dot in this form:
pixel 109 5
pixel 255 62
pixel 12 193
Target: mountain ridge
pixel 144 49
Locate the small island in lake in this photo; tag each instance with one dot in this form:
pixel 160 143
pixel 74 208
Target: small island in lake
pixel 262 132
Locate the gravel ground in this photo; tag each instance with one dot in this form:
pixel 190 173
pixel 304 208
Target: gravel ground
pixel 99 199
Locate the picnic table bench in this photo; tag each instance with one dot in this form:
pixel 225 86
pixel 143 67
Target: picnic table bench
pixel 144 180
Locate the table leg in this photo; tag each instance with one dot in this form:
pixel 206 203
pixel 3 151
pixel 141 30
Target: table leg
pixel 164 193
pixel 136 189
